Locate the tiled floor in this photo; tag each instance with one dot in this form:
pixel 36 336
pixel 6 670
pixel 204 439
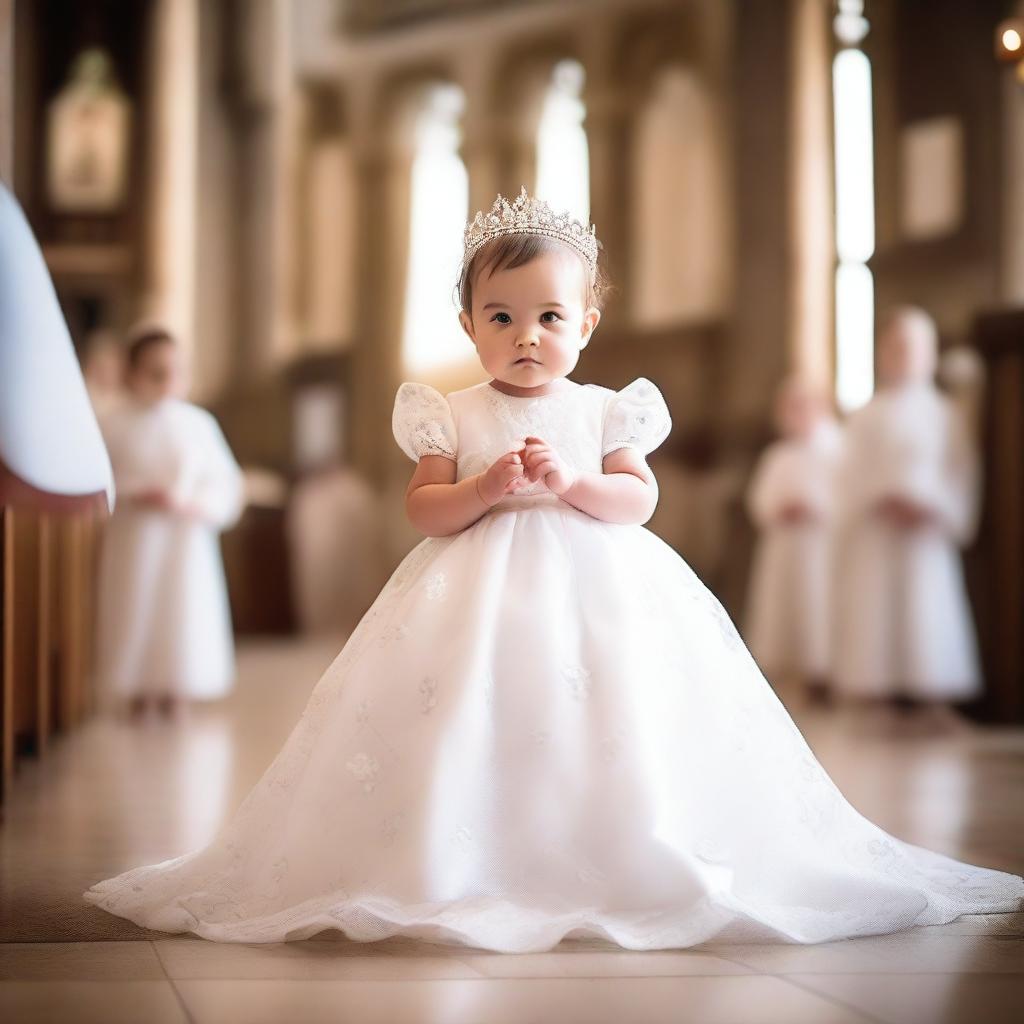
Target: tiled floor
pixel 100 803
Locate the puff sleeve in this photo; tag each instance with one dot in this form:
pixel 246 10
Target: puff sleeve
pixel 636 417
pixel 422 422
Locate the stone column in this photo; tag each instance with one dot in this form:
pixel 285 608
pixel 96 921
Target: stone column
pixel 168 286
pixel 382 175
pixel 7 91
pixel 483 129
pixel 609 139
pixel 1011 282
pixel 757 355
pixel 267 114
pixel 811 212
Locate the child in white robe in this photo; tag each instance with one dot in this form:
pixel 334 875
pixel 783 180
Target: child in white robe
pixel 790 500
pixel 164 622
pixel 908 494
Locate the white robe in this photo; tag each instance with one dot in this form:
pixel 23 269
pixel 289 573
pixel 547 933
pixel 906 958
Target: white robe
pixel 164 620
pixel 788 607
pixel 903 623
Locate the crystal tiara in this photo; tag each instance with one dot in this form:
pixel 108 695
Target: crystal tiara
pixel 527 215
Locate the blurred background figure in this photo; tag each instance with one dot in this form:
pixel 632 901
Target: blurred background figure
pixel 791 502
pixel 333 526
pixel 164 622
pixel 103 368
pixel 909 500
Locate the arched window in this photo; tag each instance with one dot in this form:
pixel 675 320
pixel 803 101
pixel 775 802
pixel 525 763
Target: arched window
pixel 563 157
pixel 679 259
pixel 855 212
pixel 439 201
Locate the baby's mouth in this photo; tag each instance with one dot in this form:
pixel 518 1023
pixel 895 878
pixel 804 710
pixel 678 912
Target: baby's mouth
pixel 527 360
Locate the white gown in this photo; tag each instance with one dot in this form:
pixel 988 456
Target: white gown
pixel 903 622
pixel 545 726
pixel 164 625
pixel 789 601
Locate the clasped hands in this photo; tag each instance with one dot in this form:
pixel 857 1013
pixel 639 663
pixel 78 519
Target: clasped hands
pixel 904 513
pixel 534 460
pixel 162 501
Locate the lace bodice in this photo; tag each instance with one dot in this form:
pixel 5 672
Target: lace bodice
pixel 479 424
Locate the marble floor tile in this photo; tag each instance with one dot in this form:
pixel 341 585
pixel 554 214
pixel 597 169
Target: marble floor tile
pixel 622 964
pixel 296 961
pixel 90 1002
pixel 701 1000
pixel 926 999
pixel 79 961
pixel 918 951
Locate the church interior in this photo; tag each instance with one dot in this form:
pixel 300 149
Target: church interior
pixel 282 187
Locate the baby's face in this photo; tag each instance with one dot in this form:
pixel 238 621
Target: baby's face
pixel 158 374
pixel 529 323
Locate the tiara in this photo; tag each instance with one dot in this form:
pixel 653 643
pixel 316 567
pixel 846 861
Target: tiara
pixel 527 215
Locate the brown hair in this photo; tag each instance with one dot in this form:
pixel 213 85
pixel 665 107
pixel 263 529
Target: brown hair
pixel 506 252
pixel 139 344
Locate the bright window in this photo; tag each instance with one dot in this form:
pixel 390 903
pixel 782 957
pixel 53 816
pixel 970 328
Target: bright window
pixel 855 228
pixel 563 157
pixel 439 201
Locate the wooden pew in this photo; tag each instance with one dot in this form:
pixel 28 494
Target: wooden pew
pixel 47 571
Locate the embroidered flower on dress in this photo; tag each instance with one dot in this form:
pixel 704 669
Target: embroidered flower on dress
pixel 365 768
pixel 580 683
pixel 436 586
pixel 390 827
pixel 393 633
pixel 428 694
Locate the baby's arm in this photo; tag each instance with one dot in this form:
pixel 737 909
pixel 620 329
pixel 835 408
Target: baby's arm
pixel 438 506
pixel 625 492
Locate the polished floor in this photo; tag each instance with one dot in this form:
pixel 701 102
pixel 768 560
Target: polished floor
pixel 115 795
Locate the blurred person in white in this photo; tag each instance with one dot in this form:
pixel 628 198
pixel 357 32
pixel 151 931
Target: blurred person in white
pixel 791 502
pixel 545 726
pixel 908 504
pixel 164 630
pixel 103 370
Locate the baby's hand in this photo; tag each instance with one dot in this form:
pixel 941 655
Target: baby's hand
pixel 154 499
pixel 796 513
pixel 543 463
pixel 503 476
pixel 904 513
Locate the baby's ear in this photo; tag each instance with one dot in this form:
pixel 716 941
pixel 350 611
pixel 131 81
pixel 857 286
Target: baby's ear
pixel 467 325
pixel 591 318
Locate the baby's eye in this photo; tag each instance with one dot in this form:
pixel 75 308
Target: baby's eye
pixel 499 317
pixel 550 313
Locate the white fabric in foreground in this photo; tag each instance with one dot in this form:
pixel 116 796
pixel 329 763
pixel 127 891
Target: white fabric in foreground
pixel 48 432
pixel 546 726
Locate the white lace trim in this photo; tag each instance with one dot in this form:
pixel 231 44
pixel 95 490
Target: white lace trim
pixel 637 417
pixel 422 422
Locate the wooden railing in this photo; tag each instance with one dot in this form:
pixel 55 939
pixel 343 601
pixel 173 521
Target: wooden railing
pixel 998 557
pixel 48 550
